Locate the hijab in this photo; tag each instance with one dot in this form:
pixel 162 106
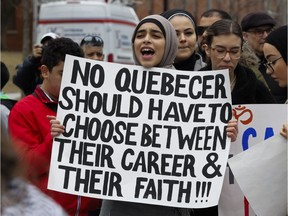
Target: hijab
pixel 194 62
pixel 179 12
pixel 171 42
pixel 278 39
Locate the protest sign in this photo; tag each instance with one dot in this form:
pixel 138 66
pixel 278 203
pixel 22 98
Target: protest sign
pixel 261 172
pixel 256 123
pixel 142 135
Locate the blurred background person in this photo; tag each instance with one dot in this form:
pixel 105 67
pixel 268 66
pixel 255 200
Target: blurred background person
pixel 6 102
pixel 256 27
pixel 93 47
pixel 28 74
pixel 18 196
pixel 207 18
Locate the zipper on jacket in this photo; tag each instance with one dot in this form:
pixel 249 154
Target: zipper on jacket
pixel 78 205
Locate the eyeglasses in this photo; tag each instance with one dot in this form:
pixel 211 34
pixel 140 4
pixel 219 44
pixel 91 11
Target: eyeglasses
pixel 259 32
pixel 201 29
pixel 269 65
pixel 221 52
pixel 93 40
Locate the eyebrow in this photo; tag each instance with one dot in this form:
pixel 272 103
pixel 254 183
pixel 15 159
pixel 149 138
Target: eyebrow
pixel 152 30
pixel 235 47
pixel 186 29
pixel 270 55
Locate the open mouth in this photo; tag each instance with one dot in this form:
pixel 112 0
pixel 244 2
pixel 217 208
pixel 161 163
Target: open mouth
pixel 147 52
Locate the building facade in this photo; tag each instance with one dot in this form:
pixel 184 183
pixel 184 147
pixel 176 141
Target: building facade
pixel 14 21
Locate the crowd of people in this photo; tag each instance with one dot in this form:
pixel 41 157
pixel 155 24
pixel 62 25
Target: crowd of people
pixel 253 50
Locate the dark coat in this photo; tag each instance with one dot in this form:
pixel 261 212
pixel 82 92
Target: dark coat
pixel 248 89
pixel 27 75
pixel 194 63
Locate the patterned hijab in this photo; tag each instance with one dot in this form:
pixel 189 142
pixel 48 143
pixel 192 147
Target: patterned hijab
pixel 171 42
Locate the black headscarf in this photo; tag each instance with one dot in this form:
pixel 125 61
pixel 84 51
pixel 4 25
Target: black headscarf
pixel 278 39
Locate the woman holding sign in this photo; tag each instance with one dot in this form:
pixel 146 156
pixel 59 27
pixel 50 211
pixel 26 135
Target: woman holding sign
pixel 154 45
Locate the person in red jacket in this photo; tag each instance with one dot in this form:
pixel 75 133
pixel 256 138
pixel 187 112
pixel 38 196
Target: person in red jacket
pixel 30 128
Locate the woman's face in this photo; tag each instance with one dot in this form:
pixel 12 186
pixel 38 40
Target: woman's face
pixel 149 45
pixel 224 52
pixel 186 37
pixel 276 66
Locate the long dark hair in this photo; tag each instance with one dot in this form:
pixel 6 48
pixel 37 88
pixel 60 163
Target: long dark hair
pixel 223 27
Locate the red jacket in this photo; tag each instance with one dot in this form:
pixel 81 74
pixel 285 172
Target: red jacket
pixel 30 129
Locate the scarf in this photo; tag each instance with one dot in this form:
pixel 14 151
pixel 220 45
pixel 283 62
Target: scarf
pixel 171 43
pixel 278 39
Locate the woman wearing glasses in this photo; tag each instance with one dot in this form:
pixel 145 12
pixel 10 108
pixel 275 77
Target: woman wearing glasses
pixel 275 51
pixel 154 44
pixel 224 47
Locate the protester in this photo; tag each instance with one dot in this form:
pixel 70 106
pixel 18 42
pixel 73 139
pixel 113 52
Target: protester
pixel 5 75
pixel 6 102
pixel 184 23
pixel 256 27
pixel 154 45
pixel 250 60
pixel 207 19
pixel 30 127
pixel 284 130
pixel 27 75
pixel 93 47
pixel 224 46
pixel 275 52
pixel 19 197
pixel 222 39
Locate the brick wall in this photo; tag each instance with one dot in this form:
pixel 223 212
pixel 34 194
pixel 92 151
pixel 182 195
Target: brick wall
pixel 237 9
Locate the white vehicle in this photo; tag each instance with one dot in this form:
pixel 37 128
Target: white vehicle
pixel 114 22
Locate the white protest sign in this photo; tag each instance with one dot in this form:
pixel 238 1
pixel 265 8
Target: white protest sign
pixel 152 136
pixel 261 172
pixel 257 122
